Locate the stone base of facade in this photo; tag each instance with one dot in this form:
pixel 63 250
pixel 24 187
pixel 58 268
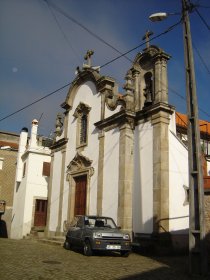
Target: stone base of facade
pixel 161 243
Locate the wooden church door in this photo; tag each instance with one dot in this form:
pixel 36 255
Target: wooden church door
pixel 80 195
pixel 40 216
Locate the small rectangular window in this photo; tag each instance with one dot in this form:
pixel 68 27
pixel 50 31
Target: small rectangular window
pixel 46 169
pixel 1 163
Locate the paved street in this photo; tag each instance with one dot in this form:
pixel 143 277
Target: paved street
pixel 30 259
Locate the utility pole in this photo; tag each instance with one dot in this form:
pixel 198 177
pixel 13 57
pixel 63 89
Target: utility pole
pixel 197 248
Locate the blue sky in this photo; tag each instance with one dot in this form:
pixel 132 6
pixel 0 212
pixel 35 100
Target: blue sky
pixel 39 53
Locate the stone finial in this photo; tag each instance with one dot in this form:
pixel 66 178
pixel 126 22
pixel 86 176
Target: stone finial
pixel 129 87
pixel 88 57
pixel 59 124
pixel 146 37
pixel 129 82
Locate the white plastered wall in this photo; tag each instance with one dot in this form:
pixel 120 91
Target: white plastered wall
pixel 32 186
pixel 178 177
pixel 143 179
pixel 87 94
pixel 36 187
pixel 111 174
pixel 18 210
pixel 55 192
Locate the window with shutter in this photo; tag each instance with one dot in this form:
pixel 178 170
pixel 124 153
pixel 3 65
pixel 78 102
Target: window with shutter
pixel 83 129
pixel 46 169
pixel 82 115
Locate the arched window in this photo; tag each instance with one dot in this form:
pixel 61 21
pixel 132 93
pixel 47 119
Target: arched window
pixel 82 115
pixel 83 129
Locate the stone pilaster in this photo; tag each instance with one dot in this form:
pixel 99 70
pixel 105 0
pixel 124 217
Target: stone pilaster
pixel 100 173
pixel 47 230
pixel 125 176
pixel 160 122
pixel 161 81
pixel 136 74
pixel 60 207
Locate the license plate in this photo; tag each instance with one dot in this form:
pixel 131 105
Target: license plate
pixel 113 247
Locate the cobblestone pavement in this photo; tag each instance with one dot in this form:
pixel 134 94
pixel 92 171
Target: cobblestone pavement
pixel 30 259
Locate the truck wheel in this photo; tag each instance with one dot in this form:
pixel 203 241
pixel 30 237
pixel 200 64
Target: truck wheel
pixel 67 245
pixel 124 254
pixel 87 248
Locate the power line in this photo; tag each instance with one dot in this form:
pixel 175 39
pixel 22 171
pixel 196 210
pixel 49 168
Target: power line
pixel 107 63
pixel 36 101
pixel 201 58
pixel 202 19
pixel 151 39
pixel 86 29
pixel 61 30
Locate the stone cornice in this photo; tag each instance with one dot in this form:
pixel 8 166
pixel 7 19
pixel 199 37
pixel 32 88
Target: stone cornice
pixel 153 110
pixel 58 145
pixel 118 119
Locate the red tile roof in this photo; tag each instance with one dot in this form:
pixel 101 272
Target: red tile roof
pixel 181 120
pixel 10 144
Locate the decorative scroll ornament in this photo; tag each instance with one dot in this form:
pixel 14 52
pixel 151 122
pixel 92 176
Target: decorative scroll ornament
pixel 79 164
pixel 81 109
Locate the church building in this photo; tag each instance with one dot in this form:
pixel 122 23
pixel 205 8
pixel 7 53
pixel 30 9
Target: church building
pixel 117 154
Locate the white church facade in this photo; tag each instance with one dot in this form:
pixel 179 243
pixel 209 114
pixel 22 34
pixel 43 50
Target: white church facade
pixel 118 155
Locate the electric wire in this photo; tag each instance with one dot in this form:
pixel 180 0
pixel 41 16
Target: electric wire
pixel 36 101
pixel 202 19
pixel 107 63
pixel 86 29
pixel 61 30
pixel 201 59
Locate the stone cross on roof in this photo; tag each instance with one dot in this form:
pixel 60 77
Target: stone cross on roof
pixel 88 57
pixel 146 37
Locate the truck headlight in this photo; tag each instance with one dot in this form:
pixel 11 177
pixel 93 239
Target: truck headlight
pixel 97 235
pixel 126 236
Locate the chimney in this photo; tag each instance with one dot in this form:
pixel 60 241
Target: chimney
pixel 21 150
pixel 34 128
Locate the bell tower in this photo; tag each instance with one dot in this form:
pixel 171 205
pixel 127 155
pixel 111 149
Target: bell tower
pixel 150 77
pixel 151 106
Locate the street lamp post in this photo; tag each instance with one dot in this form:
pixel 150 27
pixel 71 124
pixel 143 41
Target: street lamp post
pixel 197 249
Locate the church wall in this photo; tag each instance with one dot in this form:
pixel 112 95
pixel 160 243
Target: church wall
pixel 86 94
pixel 65 201
pixel 109 112
pixel 172 124
pixel 55 193
pixel 178 177
pixel 111 174
pixel 143 179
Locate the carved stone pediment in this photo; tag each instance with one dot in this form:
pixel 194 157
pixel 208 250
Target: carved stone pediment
pixel 82 108
pixel 80 163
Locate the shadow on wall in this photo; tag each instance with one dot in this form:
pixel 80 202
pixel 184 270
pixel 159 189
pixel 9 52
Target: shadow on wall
pixel 3 229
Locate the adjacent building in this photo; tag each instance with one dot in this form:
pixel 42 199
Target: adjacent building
pixel 31 183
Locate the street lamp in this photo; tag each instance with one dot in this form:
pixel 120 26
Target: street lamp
pixel 197 249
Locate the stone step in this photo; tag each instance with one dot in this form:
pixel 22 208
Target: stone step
pixel 56 240
pixel 51 242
